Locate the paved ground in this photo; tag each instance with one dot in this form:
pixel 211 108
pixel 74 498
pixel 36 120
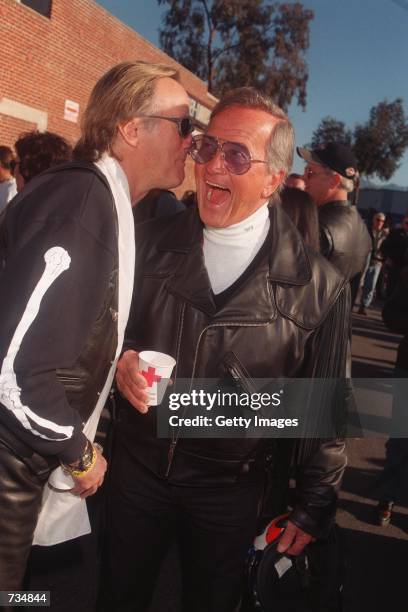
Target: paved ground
pixel 377 556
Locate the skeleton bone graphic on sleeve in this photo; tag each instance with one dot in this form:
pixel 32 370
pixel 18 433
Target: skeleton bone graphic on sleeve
pixel 57 260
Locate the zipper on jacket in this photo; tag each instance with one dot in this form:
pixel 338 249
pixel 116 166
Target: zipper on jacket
pixel 238 373
pixel 170 456
pixel 173 443
pixel 226 324
pixel 175 439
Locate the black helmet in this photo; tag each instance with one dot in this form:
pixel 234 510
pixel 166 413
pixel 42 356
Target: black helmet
pixel 276 581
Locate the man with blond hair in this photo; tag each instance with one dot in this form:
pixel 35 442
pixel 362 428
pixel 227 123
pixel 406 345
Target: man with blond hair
pixel 65 296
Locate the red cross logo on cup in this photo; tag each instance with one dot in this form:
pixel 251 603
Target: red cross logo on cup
pixel 150 376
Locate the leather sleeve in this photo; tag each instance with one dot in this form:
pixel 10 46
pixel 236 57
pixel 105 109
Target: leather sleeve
pixel 326 241
pixel 320 463
pixel 52 290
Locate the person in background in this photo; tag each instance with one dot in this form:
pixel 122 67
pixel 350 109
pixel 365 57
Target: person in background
pixel 38 151
pixel 296 181
pixel 157 203
pixel 8 187
pixel 189 198
pixel 395 249
pixel 329 178
pixel 394 478
pixel 374 262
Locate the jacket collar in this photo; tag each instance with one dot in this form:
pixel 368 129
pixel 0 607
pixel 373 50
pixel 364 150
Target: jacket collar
pixel 333 204
pixel 288 263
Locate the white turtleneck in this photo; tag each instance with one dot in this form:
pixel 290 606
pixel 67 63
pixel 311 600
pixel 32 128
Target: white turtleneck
pixel 228 251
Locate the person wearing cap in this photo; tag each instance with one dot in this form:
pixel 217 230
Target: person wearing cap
pixel 330 175
pixel 374 262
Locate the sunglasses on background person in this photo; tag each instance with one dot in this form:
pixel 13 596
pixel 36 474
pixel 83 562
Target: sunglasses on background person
pixel 237 158
pixel 311 173
pixel 185 125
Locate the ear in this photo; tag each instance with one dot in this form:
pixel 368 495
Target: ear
pixel 335 180
pixel 272 183
pixel 129 131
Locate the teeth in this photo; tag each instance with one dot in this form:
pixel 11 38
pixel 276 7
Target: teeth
pixel 216 185
pixel 209 194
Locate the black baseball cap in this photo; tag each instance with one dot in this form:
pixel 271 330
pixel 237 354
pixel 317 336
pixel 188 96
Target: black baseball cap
pixel 334 155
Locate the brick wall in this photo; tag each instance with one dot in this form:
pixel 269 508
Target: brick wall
pixel 46 61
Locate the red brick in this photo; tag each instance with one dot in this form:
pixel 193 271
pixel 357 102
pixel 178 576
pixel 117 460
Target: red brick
pixel 45 61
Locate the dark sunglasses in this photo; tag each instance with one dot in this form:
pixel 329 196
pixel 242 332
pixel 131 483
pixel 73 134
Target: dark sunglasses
pixel 311 173
pixel 185 125
pixel 237 158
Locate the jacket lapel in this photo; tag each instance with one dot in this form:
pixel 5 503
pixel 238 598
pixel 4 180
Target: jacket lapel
pixel 253 303
pixel 190 280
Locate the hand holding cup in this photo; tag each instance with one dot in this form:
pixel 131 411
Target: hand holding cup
pixel 130 382
pixel 143 377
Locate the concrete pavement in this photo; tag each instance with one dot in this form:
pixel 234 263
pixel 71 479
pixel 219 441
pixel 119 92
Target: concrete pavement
pixel 376 556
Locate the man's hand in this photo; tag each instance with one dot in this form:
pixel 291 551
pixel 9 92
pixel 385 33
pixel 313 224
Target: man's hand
pixel 130 382
pixel 88 485
pixel 294 540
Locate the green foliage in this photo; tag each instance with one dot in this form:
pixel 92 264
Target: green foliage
pixel 378 144
pixel 232 43
pixel 331 130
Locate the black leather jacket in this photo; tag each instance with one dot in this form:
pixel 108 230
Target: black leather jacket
pixel 63 360
pixel 345 240
pixel 288 319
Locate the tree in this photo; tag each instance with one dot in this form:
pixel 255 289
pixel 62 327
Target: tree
pixel 378 144
pixel 331 130
pixel 232 43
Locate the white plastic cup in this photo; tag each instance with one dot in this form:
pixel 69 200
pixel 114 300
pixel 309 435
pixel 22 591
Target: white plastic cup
pixel 156 368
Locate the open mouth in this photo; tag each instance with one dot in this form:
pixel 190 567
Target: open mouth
pixel 216 194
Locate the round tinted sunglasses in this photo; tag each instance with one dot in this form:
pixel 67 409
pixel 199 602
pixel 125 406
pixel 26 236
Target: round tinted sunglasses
pixel 237 158
pixel 185 125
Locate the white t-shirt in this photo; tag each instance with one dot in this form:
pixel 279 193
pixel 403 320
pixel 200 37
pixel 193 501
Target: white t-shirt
pixel 8 190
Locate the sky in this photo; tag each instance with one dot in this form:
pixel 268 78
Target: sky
pixel 358 56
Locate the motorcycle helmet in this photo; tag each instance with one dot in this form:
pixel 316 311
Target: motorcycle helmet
pixel 276 582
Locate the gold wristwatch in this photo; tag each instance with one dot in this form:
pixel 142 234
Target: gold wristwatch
pixel 84 464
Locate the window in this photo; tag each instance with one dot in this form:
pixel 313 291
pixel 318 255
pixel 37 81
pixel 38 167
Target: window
pixel 41 6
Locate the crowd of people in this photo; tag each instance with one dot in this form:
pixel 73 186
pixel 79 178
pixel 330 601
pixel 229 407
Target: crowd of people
pixel 252 277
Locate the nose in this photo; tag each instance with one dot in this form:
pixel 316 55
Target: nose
pixel 216 165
